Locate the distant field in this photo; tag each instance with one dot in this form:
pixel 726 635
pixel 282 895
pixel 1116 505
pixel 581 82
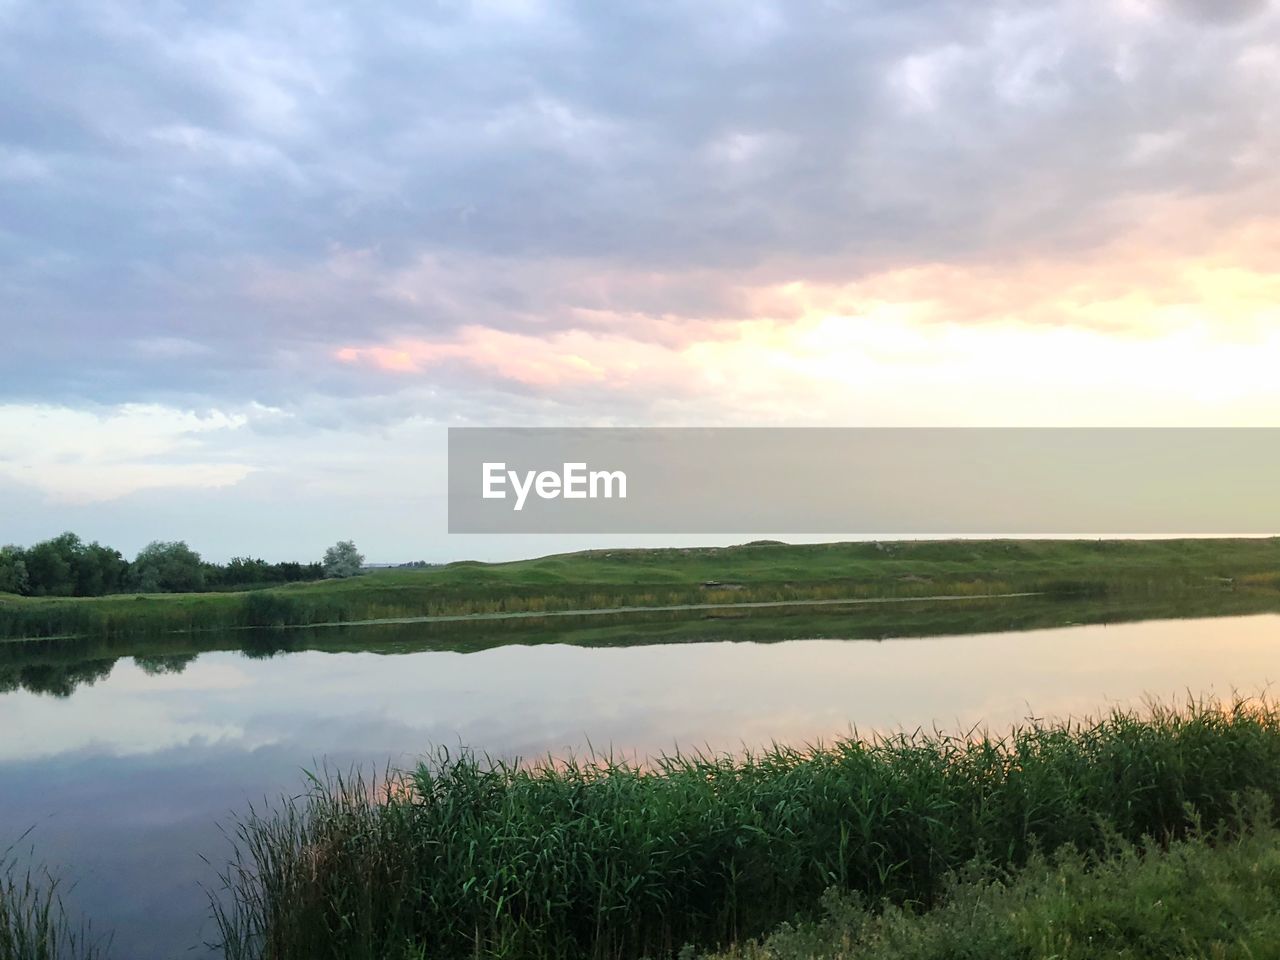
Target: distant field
pixel 750 573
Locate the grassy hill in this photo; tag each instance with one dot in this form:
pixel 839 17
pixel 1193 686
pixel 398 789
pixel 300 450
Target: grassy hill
pixel 763 571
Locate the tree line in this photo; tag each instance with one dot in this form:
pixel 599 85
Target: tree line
pixel 66 566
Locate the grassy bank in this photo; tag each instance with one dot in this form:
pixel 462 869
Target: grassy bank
pixel 750 573
pixel 1215 895
pixel 464 857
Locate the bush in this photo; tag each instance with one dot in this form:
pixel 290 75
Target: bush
pixel 342 560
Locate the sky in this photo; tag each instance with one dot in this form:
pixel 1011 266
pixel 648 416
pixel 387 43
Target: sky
pixel 255 258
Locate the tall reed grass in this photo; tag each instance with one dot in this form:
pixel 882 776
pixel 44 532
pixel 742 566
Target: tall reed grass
pixel 1215 894
pixel 33 922
pixel 312 604
pixel 472 857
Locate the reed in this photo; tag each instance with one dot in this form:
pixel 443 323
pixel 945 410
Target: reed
pixel 34 925
pixel 1213 894
pixel 475 857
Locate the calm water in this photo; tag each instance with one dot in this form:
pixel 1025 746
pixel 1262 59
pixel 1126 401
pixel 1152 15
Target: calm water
pixel 127 779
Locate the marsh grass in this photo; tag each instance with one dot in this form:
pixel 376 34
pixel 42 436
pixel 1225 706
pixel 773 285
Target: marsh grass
pixel 472 857
pixel 34 925
pixel 1214 894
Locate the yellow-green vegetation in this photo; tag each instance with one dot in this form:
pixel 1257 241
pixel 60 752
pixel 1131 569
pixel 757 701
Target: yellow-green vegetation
pixel 1213 895
pixel 467 857
pixel 766 571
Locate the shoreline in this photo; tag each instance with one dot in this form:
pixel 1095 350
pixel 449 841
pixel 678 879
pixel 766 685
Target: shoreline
pixel 618 582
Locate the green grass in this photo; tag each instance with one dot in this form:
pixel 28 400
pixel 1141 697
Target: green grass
pixel 33 923
pixel 749 573
pixel 1214 895
pixel 468 857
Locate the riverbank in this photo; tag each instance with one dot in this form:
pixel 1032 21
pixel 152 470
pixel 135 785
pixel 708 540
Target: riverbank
pixel 764 572
pixel 59 665
pixel 467 857
pixel 1213 895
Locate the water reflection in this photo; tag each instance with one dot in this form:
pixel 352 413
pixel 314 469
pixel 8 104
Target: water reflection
pixel 126 764
pixel 57 667
pixel 55 679
pixel 156 666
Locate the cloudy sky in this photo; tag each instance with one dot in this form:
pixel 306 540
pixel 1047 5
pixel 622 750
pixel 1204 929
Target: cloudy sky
pixel 254 258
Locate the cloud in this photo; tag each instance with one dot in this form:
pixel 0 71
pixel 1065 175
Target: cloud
pixel 370 219
pixel 565 358
pixel 1219 11
pixel 81 456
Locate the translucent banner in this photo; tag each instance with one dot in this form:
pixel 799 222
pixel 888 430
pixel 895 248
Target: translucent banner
pixel 871 481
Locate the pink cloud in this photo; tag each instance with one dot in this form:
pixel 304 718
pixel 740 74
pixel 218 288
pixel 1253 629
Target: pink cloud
pixel 566 358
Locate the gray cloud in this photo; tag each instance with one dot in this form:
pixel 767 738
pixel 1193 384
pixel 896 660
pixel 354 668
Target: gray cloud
pixel 1219 11
pixel 201 202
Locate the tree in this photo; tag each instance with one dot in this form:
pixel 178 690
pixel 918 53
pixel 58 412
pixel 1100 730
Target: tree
pixel 98 570
pixel 13 570
pixel 172 567
pixel 342 560
pixel 62 567
pixel 245 571
pixel 51 566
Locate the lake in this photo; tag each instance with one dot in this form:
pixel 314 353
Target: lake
pixel 127 769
